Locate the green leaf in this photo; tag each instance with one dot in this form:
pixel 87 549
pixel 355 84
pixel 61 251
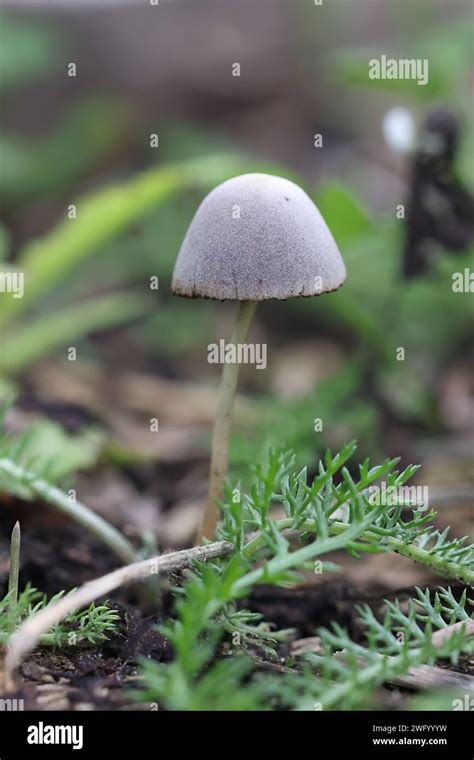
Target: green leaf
pixel 26 51
pixel 52 331
pixel 47 165
pixel 49 445
pixel 343 213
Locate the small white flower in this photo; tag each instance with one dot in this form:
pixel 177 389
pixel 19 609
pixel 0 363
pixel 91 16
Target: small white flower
pixel 398 127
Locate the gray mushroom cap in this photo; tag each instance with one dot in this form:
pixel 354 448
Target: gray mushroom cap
pixel 257 237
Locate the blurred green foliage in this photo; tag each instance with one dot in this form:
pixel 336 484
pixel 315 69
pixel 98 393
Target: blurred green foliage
pixel 376 309
pixel 103 215
pixel 49 447
pixel 27 51
pixel 448 49
pixel 31 340
pixel 43 167
pixel 93 272
pixel 50 451
pixel 338 401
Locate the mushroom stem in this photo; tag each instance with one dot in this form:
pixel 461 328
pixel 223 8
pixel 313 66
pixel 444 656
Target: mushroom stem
pixel 222 425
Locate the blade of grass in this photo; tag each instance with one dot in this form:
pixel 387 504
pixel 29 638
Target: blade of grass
pixel 75 510
pixel 14 563
pixel 38 338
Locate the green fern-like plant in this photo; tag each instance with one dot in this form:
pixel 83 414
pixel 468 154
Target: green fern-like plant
pixel 334 511
pixel 85 628
pixel 340 511
pixel 347 672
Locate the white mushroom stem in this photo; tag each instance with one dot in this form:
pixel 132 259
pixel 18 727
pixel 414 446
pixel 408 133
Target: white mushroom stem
pixel 222 425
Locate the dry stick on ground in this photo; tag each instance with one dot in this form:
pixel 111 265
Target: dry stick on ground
pixel 419 676
pixel 431 677
pixel 424 676
pixel 29 633
pixel 439 637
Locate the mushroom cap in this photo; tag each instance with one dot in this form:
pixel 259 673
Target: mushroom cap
pixel 256 237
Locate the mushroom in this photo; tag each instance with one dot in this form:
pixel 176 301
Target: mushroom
pixel 253 238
